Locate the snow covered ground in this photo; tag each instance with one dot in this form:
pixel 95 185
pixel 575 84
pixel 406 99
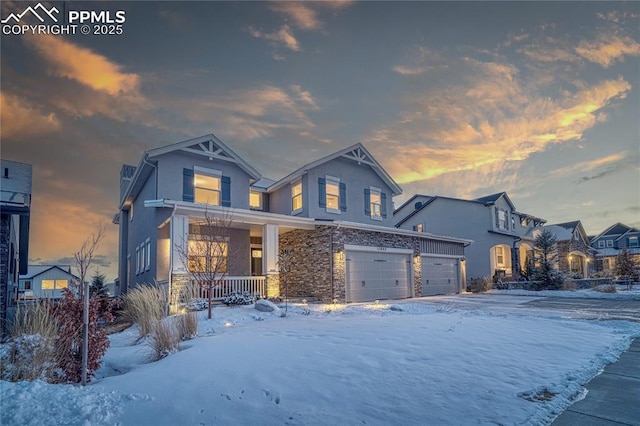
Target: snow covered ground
pixel 359 364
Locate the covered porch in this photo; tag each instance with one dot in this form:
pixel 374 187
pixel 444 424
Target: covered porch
pixel 239 256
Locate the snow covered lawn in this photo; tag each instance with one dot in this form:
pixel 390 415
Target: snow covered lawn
pixel 361 364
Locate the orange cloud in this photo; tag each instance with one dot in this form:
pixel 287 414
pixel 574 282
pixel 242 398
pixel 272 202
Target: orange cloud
pixel 19 117
pixel 83 65
pixel 300 13
pixel 608 49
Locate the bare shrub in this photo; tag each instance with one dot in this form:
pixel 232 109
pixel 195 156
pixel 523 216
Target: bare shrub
pixel 32 353
pixel 36 318
pixel 479 284
pixel 145 305
pixel 569 285
pixel 187 325
pixel 164 339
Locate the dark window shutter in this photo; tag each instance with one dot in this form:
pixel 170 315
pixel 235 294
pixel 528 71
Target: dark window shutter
pixel 343 197
pixel 226 191
pixel 322 192
pixel 383 201
pixel 367 202
pixel 187 185
pixel 497 217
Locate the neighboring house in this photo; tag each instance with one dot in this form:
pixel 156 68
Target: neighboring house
pixel 46 282
pixel 501 234
pixel 610 243
pixel 15 209
pixel 334 214
pixel 575 257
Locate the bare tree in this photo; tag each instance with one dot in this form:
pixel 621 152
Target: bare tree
pixel 84 258
pixel 206 253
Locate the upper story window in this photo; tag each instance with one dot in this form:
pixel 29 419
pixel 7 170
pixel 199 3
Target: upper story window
pixel 633 241
pixel 255 200
pixel 601 244
pixel 501 219
pixel 207 188
pixel 376 203
pixel 27 285
pixel 296 197
pixel 609 243
pixel 333 194
pixel 513 223
pixel 419 227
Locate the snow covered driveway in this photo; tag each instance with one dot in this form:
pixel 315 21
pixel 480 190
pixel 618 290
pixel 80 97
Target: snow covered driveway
pixel 360 364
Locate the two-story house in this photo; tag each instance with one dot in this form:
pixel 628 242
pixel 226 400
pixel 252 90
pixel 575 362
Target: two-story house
pixel 15 209
pixel 333 215
pixel 610 242
pixel 502 236
pixel 575 257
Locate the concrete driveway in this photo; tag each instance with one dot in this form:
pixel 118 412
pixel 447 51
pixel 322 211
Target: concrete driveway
pixel 578 308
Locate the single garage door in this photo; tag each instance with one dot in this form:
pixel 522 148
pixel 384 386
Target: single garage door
pixel 439 276
pixel 377 275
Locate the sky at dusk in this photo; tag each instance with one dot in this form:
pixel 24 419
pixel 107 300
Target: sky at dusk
pixel 461 99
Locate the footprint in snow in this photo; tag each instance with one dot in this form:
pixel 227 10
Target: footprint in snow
pixel 224 395
pixel 272 396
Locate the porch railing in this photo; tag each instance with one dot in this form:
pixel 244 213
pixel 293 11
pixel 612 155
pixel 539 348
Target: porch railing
pixel 229 285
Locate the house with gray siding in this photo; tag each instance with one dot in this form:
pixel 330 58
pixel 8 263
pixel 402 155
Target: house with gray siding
pixel 610 243
pixel 46 282
pixel 334 215
pixel 15 211
pixel 502 235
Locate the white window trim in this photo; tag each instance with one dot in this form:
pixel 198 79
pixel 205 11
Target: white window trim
pixel 293 184
pixel 211 173
pixel 504 263
pixel 609 243
pixel 637 241
pixel 206 171
pixel 148 262
pixel 377 191
pixel 601 244
pixel 335 181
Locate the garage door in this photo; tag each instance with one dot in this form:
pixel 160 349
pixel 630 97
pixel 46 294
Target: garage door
pixel 439 276
pixel 377 275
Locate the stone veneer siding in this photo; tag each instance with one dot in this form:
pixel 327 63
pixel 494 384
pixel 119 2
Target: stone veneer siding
pixel 318 266
pixel 567 246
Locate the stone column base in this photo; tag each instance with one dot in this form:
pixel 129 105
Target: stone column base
pixel 273 285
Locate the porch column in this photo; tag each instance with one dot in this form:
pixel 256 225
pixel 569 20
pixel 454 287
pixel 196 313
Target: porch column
pixel 270 245
pixel 178 238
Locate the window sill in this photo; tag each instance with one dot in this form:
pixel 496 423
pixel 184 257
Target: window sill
pixel 333 211
pixel 296 212
pixel 377 218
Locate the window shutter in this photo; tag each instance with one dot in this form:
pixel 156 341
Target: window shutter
pixel 497 210
pixel 383 201
pixel 367 202
pixel 343 197
pixel 322 192
pixel 226 191
pixel 187 185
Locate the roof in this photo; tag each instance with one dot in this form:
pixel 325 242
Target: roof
pixel 208 146
pixel 413 197
pixel 35 270
pixel 491 199
pixel 617 229
pixel 356 153
pixel 564 231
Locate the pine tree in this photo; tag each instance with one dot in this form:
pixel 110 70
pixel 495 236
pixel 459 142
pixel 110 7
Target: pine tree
pixel 546 253
pixel 626 268
pixel 97 286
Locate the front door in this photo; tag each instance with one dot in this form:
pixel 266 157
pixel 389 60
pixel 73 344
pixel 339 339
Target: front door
pixel 256 261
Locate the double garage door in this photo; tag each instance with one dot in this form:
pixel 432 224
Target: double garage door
pixel 439 276
pixel 373 275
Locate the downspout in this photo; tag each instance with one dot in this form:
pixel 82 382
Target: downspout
pixel 170 283
pixel 516 256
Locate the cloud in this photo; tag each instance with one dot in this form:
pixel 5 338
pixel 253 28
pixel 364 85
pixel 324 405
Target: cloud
pixel 586 166
pixel 606 50
pixel 400 69
pixel 302 15
pixel 19 117
pixel 490 119
pixel 304 96
pixel 284 37
pixel 419 60
pixel 93 70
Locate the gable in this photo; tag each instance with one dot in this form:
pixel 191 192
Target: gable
pixel 357 154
